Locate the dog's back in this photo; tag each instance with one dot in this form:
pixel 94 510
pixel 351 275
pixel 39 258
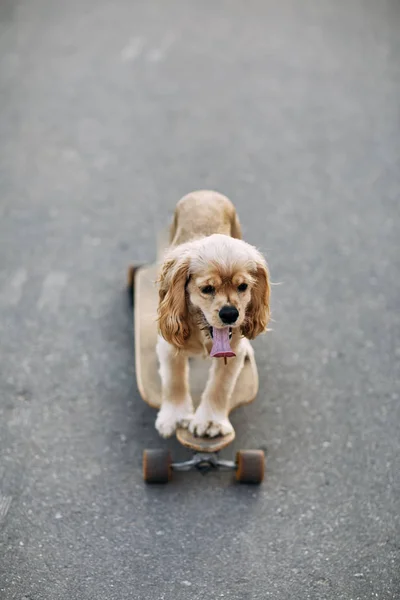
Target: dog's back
pixel 202 213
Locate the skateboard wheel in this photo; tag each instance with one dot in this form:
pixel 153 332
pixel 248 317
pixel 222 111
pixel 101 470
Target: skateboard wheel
pixel 157 466
pixel 250 466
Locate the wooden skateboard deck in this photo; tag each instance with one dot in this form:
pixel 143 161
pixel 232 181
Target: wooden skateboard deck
pixel 148 379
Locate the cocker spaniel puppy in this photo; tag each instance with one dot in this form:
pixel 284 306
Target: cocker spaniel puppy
pixel 214 295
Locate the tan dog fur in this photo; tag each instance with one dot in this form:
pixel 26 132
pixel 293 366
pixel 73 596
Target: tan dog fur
pixel 206 252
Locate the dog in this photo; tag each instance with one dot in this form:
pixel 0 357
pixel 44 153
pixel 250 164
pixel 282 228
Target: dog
pixel 214 296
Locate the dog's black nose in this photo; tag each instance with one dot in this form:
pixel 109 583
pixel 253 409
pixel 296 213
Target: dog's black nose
pixel 228 314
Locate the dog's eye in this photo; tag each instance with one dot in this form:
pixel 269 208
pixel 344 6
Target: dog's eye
pixel 242 287
pixel 208 289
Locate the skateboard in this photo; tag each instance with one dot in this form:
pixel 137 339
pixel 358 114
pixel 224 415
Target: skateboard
pixel 157 464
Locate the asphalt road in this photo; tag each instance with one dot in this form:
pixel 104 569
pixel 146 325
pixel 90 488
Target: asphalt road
pixel 110 112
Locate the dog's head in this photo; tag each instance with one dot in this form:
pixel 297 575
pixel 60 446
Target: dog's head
pixel 217 281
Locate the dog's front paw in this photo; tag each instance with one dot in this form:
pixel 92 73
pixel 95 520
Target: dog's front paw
pixel 171 416
pixel 207 423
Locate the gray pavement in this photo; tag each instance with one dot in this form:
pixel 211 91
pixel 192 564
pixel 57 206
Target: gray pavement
pixel 110 111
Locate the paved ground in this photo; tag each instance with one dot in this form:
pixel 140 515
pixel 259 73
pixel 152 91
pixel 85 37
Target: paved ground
pixel 110 111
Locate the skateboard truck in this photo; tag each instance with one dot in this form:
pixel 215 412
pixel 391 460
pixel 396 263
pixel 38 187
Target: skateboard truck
pixel 248 466
pixel 204 462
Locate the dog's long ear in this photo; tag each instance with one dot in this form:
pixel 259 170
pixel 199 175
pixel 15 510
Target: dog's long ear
pixel 172 308
pixel 258 310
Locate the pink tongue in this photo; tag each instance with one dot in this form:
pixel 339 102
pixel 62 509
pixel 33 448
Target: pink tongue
pixel 221 345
